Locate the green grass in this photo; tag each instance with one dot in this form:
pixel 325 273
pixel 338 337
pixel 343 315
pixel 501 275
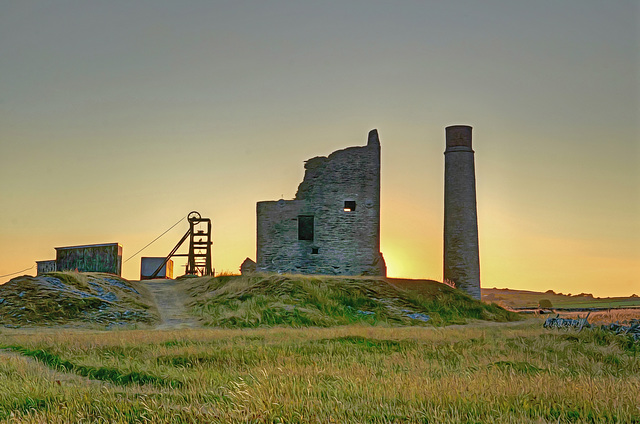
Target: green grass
pixel 516 372
pixel 109 374
pixel 268 300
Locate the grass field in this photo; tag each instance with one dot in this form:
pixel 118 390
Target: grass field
pixel 604 317
pixel 482 373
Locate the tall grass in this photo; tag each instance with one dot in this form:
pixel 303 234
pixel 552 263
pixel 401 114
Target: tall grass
pixel 75 298
pixel 112 375
pixel 494 374
pixel 303 301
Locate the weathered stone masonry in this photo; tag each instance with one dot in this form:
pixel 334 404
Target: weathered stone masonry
pixel 461 255
pixel 333 224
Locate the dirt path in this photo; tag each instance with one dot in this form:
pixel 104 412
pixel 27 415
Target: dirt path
pixel 171 299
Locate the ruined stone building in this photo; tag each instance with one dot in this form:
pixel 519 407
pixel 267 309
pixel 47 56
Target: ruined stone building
pixel 332 226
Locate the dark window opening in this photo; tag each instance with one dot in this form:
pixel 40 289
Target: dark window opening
pixel 349 205
pixel 305 227
pixel 314 250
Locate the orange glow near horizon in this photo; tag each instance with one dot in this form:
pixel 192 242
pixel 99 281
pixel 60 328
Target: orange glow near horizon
pixel 101 142
pixel 576 269
pixel 515 253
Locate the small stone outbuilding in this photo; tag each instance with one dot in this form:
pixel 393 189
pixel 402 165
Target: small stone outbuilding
pixel 247 267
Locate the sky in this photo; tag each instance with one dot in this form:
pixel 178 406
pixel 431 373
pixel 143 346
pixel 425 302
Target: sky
pixel 118 118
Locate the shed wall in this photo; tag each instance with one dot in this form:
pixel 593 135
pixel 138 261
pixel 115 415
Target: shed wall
pixel 90 258
pixel 46 266
pixel 149 265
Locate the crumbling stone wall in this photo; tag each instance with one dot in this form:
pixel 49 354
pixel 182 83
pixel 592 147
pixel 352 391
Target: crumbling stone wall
pixel 333 224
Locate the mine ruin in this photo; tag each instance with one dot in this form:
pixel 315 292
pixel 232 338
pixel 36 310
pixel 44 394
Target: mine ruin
pixel 332 226
pixel 461 255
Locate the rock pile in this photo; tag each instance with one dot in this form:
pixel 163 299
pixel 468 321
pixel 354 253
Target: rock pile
pixel 632 330
pixel 628 328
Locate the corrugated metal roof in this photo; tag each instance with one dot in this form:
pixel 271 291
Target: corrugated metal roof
pixel 88 245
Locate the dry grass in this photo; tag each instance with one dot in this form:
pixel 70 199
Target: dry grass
pixel 513 373
pixel 73 298
pixel 258 300
pixel 528 299
pixel 324 301
pixel 606 317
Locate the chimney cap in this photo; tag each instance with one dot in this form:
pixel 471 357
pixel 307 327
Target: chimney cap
pixel 458 136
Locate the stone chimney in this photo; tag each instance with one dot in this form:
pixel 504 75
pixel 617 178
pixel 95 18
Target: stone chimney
pixel 461 256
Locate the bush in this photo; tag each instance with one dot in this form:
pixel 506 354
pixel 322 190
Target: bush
pixel 545 303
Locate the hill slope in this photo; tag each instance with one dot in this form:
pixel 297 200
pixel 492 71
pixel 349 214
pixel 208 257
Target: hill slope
pixel 323 301
pixel 81 299
pixel 74 298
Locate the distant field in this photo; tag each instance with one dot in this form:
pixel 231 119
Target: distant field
pixel 606 316
pixel 483 373
pixel 530 299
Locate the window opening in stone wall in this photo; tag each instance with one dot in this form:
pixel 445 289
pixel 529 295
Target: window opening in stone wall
pixel 305 227
pixel 314 250
pixel 349 205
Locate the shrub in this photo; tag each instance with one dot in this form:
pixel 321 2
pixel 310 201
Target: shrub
pixel 545 303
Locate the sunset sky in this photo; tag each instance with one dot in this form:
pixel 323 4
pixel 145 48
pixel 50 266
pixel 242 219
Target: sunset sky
pixel 119 117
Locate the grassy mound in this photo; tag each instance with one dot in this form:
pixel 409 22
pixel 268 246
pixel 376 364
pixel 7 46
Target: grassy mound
pixel 68 297
pixel 324 301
